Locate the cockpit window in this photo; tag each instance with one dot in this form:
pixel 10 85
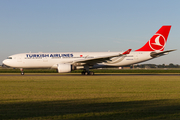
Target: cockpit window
pixel 9 58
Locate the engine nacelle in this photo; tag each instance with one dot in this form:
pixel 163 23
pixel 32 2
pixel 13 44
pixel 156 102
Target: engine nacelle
pixel 63 68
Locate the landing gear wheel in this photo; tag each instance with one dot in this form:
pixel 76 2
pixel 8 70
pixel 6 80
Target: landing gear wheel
pixel 82 73
pixel 87 73
pixel 91 73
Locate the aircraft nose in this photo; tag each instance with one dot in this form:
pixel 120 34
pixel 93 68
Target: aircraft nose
pixel 5 62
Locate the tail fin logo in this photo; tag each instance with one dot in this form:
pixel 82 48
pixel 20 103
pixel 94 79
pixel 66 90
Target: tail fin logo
pixel 157 42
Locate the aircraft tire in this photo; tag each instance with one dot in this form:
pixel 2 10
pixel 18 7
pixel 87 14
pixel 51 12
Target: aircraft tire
pixel 83 73
pixel 86 73
pixel 91 73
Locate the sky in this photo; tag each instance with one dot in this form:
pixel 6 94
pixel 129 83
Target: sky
pixel 87 26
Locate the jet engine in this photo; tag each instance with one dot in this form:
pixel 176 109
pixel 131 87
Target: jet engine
pixel 63 68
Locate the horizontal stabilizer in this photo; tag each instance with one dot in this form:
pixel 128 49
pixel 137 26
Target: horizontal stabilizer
pixel 157 54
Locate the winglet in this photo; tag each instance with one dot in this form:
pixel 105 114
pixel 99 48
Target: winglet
pixel 127 52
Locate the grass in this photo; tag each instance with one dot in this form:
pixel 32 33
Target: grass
pixel 90 97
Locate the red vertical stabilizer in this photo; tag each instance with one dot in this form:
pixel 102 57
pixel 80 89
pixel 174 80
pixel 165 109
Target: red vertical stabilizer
pixel 158 40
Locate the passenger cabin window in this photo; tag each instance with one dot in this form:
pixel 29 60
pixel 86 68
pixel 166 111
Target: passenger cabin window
pixel 9 58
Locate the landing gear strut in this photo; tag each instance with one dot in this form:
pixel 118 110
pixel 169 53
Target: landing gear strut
pixel 22 72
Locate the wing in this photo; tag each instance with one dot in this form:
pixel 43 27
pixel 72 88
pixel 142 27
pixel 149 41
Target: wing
pixel 95 60
pixel 157 54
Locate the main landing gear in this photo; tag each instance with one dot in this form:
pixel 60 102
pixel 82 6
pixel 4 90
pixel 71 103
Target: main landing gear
pixel 84 72
pixel 22 72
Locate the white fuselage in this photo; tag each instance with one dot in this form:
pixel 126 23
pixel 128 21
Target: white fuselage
pixel 50 60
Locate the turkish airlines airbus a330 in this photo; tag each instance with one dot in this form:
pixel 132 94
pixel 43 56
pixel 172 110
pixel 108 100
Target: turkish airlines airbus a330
pixel 68 61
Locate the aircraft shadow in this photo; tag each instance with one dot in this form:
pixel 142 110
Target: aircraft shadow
pixel 92 109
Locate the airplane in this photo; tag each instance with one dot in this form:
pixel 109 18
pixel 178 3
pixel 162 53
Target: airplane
pixel 68 61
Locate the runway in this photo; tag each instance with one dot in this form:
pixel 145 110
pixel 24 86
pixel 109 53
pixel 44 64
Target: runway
pixel 78 74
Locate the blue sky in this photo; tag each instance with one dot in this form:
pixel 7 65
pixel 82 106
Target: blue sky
pixel 86 25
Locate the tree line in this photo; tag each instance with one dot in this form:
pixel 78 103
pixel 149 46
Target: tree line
pixel 171 65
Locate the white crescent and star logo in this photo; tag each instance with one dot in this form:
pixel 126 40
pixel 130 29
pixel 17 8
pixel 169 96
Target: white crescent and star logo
pixel 157 42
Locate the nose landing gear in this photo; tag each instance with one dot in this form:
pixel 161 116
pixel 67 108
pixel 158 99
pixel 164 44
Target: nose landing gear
pixel 22 72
